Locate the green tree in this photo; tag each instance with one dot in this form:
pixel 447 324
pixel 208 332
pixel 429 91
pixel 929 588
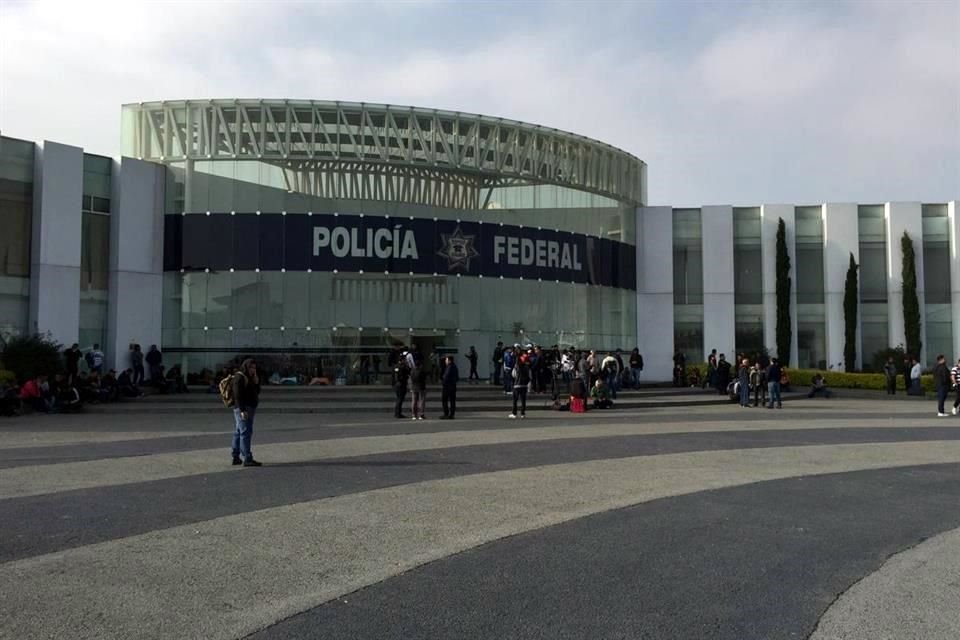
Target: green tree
pixel 30 356
pixel 850 299
pixel 784 326
pixel 911 304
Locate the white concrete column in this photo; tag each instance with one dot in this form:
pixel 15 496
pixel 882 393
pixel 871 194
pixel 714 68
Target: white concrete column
pixel 55 245
pixel 900 217
pixel 655 292
pixel 770 215
pixel 841 237
pixel 953 212
pixel 136 259
pixel 719 319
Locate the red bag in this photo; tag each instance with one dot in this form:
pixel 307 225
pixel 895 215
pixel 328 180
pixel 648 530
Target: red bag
pixel 577 405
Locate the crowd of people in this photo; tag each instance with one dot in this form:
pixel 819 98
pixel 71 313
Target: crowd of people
pixel 92 383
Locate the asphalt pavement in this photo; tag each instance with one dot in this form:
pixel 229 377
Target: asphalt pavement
pixel 826 519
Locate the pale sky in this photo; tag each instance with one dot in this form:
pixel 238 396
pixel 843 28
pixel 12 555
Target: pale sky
pixel 728 103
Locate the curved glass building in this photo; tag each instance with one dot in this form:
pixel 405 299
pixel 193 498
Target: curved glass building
pixel 335 229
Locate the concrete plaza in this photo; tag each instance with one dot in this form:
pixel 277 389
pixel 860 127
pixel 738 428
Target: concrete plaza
pixel 826 519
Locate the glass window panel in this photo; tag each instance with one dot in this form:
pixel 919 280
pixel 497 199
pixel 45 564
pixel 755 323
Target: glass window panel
pixel 748 277
pixel 809 274
pixel 936 272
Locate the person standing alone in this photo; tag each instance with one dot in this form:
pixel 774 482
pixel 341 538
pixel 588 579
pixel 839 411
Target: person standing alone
pixel 401 376
pixel 744 379
pixel 941 375
pixel 472 359
pixel 246 397
pixel 890 371
pixel 448 392
pixel 521 384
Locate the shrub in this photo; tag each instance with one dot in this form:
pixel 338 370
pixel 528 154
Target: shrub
pixel 784 326
pixel 850 302
pixel 911 304
pixel 880 357
pixel 30 356
pixel 802 378
pixel 7 377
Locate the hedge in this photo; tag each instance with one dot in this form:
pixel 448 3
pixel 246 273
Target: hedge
pixel 803 378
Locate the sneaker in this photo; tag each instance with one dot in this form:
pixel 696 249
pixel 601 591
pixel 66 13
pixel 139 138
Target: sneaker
pixel 252 463
pixel 954 411
pixel 512 416
pixel 943 415
pixel 413 417
pixel 420 418
pixel 522 416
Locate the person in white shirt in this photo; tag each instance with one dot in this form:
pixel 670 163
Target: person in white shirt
pixel 915 372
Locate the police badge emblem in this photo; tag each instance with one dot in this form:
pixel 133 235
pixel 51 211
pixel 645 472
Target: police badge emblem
pixel 458 249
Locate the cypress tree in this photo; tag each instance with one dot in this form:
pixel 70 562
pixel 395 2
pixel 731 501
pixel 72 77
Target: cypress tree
pixel 850 298
pixel 911 304
pixel 784 327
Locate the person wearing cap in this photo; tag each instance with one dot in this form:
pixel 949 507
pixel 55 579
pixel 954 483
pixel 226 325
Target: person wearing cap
pixel 246 396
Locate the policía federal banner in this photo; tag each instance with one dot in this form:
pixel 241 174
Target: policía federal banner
pixel 354 243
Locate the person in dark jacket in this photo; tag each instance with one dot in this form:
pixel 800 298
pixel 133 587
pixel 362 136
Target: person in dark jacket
pixel 401 376
pixel 890 371
pixel 136 363
pixel 941 375
pixel 246 397
pixel 743 375
pixel 521 384
pixel 774 374
pixel 723 374
pixel 448 393
pixel 72 357
pixel 154 359
pixel 472 358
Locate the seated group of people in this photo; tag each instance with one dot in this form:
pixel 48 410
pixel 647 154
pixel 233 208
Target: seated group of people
pixel 169 380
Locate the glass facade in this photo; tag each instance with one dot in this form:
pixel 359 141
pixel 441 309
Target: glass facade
pixel 688 283
pixel 811 312
pixel 94 250
pixel 311 320
pixel 874 316
pixel 16 219
pixel 936 283
pixel 748 280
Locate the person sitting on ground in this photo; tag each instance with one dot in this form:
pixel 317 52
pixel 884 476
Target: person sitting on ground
pixel 126 387
pixel 108 384
pixel 819 386
pixel 32 394
pixel 9 400
pixel 65 395
pixel 601 395
pixel 160 382
pixel 175 379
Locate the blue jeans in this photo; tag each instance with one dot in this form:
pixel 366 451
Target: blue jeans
pixel 612 384
pixel 508 380
pixel 242 434
pixel 744 393
pixel 773 387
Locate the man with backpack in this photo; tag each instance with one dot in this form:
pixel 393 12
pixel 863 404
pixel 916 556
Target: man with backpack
pixel 241 391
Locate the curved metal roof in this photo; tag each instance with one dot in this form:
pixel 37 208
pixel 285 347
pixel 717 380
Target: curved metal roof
pixel 290 131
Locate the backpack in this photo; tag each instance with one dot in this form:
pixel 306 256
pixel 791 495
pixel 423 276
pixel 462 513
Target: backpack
pixel 226 390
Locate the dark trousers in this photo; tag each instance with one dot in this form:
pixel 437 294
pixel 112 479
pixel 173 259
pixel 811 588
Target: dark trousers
pixel 942 393
pixel 520 393
pixel 760 394
pixel 891 386
pixel 473 373
pixel 956 404
pixel 401 391
pixel 448 398
pixel 497 367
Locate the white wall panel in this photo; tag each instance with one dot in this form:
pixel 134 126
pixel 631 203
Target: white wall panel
pixel 136 259
pixel 719 319
pixel 655 291
pixel 55 244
